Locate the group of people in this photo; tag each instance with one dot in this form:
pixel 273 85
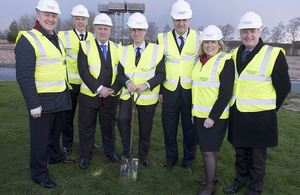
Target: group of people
pixel 187 71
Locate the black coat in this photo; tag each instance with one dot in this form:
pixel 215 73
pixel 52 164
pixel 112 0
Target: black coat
pixel 259 129
pixel 94 83
pixel 25 69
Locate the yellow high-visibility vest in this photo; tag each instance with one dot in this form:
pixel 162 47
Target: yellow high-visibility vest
pixel 179 65
pixel 71 44
pixel 50 72
pixel 253 89
pixel 205 85
pixel 91 51
pixel 141 73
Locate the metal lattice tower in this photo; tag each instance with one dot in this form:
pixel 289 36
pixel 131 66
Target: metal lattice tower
pixel 116 12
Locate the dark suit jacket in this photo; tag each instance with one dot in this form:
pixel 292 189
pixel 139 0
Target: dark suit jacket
pixel 94 83
pixel 160 74
pixel 170 97
pixel 259 129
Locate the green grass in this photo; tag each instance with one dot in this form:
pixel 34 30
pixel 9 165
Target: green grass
pixel 102 177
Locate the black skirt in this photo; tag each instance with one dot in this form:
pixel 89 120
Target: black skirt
pixel 210 140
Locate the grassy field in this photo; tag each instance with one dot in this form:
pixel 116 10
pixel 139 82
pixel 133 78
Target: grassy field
pixel 102 177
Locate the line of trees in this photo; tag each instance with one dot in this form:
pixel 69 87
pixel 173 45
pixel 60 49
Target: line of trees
pixel 27 21
pixel 279 34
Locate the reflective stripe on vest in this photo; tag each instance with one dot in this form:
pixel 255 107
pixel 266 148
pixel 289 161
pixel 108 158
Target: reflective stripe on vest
pixel 142 96
pixel 94 63
pixel 262 96
pixel 44 61
pixel 152 65
pixel 50 72
pixel 141 73
pixel 207 86
pixel 71 43
pixel 179 66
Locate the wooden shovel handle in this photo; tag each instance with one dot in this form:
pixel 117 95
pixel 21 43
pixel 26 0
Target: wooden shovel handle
pixel 133 111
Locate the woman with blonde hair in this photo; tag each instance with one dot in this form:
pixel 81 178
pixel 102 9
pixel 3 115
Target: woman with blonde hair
pixel 212 86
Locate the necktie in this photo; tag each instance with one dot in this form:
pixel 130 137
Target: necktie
pixel 244 55
pixel 181 44
pixel 81 35
pixel 104 50
pixel 137 56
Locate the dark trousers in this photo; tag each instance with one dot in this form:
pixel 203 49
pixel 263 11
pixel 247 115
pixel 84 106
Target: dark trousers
pixel 170 120
pixel 68 131
pixel 87 120
pixel 145 117
pixel 44 138
pixel 250 168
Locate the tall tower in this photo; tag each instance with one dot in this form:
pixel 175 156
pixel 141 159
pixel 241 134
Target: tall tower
pixel 116 11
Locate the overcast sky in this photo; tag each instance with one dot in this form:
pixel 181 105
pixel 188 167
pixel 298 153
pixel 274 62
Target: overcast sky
pixel 205 12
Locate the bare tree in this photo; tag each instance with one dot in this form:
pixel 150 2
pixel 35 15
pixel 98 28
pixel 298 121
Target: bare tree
pixel 152 32
pixel 67 24
pixel 167 28
pixel 265 34
pixel 127 33
pixel 278 33
pixel 201 28
pixel 292 29
pixel 227 31
pixel 26 21
pixel 90 26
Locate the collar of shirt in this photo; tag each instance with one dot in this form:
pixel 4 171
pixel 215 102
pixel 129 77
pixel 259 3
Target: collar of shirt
pixel 142 46
pixel 184 37
pixel 78 33
pixel 248 49
pixel 106 43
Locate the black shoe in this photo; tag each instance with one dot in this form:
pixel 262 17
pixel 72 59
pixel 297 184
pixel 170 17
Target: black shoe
pixel 168 166
pixel 84 163
pixel 95 146
pixel 203 183
pixel 189 168
pixel 48 184
pixel 69 160
pixel 231 190
pixel 124 154
pixel 145 162
pixel 114 158
pixel 67 150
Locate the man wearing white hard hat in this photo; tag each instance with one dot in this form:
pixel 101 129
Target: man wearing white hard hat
pixel 141 71
pixel 71 40
pixel 42 78
pixel 97 65
pixel 262 83
pixel 181 49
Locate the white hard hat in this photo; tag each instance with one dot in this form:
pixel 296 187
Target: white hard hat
pixel 211 33
pixel 48 6
pixel 249 21
pixel 137 20
pixel 181 10
pixel 80 10
pixel 102 19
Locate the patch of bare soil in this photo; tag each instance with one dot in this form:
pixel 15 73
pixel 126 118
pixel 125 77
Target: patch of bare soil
pixel 293 107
